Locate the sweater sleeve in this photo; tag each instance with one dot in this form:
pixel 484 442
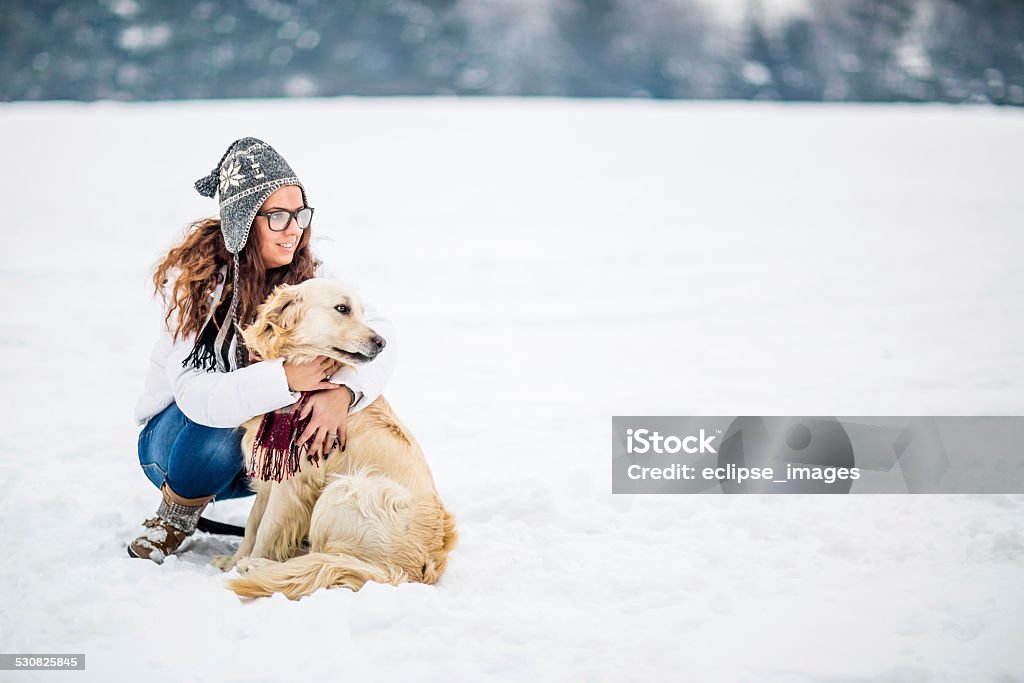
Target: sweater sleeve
pixel 367 381
pixel 227 399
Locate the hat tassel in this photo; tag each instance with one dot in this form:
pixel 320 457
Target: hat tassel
pixel 207 185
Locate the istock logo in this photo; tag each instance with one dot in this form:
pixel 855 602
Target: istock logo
pixel 653 442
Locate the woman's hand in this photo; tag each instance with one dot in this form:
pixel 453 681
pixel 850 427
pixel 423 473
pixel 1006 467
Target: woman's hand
pixel 311 376
pixel 330 411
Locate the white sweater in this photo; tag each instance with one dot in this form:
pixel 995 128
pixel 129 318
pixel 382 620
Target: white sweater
pixel 229 399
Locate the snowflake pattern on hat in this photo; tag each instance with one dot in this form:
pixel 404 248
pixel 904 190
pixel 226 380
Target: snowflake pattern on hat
pixel 231 176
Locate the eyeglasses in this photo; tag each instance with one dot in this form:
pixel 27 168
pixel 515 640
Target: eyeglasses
pixel 279 220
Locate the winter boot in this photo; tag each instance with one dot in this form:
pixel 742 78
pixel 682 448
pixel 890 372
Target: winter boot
pixel 174 522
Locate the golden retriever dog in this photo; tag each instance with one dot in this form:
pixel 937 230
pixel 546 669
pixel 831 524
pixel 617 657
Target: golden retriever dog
pixel 370 512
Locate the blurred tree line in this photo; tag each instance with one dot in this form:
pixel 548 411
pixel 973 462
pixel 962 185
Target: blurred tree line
pixel 836 50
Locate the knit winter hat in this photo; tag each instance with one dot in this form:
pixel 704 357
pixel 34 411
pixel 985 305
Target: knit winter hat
pixel 248 173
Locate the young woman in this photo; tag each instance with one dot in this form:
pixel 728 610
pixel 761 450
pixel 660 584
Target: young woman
pixel 201 384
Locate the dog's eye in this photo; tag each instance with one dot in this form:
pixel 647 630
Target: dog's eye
pixel 342 308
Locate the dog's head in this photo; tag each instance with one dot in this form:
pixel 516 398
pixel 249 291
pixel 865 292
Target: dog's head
pixel 315 318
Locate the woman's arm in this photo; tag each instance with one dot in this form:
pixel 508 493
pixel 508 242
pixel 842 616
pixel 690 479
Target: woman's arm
pixel 227 399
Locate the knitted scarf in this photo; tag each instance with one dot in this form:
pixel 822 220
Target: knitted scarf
pixel 275 455
pixel 213 343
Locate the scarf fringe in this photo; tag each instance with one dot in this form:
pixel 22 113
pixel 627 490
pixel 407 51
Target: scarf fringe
pixel 201 358
pixel 275 455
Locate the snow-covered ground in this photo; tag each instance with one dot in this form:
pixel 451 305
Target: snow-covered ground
pixel 549 264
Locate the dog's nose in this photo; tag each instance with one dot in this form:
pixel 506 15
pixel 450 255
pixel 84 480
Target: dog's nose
pixel 379 342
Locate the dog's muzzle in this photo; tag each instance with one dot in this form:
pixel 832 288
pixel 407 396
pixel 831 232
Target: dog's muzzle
pixel 367 353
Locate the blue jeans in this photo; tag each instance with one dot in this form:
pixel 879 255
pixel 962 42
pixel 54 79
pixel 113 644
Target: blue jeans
pixel 193 459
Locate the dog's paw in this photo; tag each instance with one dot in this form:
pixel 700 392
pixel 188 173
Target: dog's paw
pixel 247 564
pixel 223 562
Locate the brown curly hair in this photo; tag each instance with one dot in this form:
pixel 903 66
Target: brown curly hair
pixel 199 258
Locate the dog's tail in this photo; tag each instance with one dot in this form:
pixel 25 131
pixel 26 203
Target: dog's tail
pixel 302 575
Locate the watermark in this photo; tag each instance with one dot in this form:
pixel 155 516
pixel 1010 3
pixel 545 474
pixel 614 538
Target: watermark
pixel 817 454
pixel 38 662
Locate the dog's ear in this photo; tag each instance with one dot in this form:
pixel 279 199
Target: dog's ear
pixel 274 319
pixel 282 307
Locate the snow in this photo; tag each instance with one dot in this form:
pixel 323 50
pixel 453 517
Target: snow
pixel 549 264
